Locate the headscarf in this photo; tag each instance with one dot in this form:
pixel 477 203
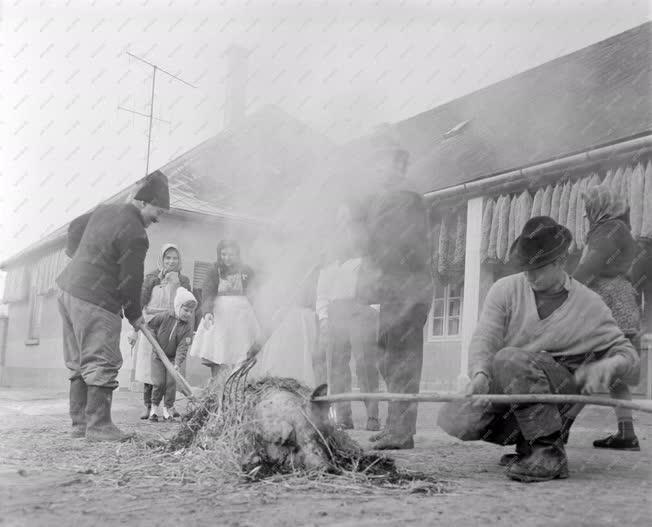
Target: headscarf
pixel 228 244
pixel 603 204
pixel 182 297
pixel 161 256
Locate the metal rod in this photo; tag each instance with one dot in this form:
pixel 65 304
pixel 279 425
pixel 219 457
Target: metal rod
pixel 142 114
pixel 160 69
pixel 151 115
pixel 430 397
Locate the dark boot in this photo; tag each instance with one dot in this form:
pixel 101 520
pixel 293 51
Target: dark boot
pixel 373 424
pixel 100 427
pixel 145 414
pixel 546 461
pixel 624 439
pixel 78 395
pixel 522 451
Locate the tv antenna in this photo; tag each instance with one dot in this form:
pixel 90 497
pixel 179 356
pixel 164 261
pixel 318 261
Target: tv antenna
pixel 151 117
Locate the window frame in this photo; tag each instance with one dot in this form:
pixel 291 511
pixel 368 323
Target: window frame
pixel 446 297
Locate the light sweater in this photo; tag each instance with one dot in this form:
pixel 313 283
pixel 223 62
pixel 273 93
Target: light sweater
pixel 337 281
pixel 582 325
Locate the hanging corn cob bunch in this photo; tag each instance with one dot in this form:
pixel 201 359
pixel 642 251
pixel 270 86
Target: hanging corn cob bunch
pixel 487 216
pixel 546 201
pixel 637 200
pixel 503 228
pixel 459 249
pixel 444 251
pixel 646 223
pixel 536 204
pixel 493 236
pixel 626 183
pixel 580 233
pixel 571 217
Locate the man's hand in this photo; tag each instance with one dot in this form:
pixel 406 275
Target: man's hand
pixel 137 323
pixel 131 338
pixel 479 385
pixel 597 376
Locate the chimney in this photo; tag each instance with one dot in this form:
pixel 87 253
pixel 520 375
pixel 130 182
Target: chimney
pixel 236 84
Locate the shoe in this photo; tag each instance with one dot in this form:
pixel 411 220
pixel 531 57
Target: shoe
pixel 78 398
pixel 99 426
pixel 166 414
pixel 145 414
pixel 617 442
pixel 377 437
pixel 393 442
pixel 174 412
pixel 153 418
pixel 373 424
pixel 522 451
pixel 547 461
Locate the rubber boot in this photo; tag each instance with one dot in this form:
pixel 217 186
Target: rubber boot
pixel 100 427
pixel 78 396
pixel 388 425
pixel 145 414
pixel 400 433
pixel 373 424
pixel 546 461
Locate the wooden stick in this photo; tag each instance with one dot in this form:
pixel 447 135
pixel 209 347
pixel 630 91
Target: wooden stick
pixel 184 387
pixel 537 398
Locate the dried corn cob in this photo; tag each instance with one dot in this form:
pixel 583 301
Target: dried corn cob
pixel 445 236
pixel 564 203
pixel 546 201
pixel 524 210
pixel 607 178
pixel 556 200
pixel 571 217
pixel 626 184
pixel 636 200
pixel 459 251
pixel 487 216
pixel 536 204
pixel 617 181
pixel 646 223
pixel 595 180
pixel 503 227
pixel 493 237
pixel 511 236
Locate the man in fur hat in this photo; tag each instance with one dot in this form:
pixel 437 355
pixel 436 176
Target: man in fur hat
pixel 103 280
pixel 541 332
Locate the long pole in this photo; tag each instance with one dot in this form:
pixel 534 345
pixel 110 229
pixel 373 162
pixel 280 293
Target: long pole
pixel 537 398
pixel 151 116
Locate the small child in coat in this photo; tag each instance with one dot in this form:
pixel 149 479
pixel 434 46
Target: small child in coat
pixel 174 333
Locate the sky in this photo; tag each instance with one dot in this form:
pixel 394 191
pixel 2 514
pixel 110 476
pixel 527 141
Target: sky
pixel 342 67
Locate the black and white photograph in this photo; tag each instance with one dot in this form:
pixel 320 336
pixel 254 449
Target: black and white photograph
pixel 350 263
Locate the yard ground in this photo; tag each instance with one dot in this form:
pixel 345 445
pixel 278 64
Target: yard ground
pixel 48 479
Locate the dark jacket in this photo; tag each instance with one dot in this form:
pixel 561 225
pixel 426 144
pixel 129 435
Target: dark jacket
pixel 610 250
pixel 398 248
pixel 173 335
pixel 211 285
pixel 108 248
pixel 153 279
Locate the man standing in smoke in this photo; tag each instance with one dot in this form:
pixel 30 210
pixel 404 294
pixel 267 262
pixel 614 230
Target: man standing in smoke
pixel 398 277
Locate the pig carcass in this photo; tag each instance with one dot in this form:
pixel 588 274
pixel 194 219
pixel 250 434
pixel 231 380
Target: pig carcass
pixel 276 426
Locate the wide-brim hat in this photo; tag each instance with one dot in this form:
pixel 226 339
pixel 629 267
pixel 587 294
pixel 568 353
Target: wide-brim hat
pixel 542 241
pixel 154 190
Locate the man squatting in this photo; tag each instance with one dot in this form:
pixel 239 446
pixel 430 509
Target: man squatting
pixel 103 279
pixel 540 332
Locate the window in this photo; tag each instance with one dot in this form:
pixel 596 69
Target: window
pixel 446 312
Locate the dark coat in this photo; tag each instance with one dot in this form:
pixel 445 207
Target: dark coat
pixel 211 285
pixel 108 248
pixel 173 335
pixel 152 279
pixel 398 250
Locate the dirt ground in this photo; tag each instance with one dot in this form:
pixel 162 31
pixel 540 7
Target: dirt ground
pixel 46 478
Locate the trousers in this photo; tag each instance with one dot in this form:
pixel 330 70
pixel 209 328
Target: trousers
pixel 513 371
pixel 91 341
pixel 164 384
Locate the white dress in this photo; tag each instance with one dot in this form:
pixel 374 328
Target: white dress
pixel 289 350
pixel 235 326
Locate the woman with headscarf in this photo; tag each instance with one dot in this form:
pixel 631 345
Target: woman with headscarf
pixel 229 327
pixel 604 267
pixel 157 296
